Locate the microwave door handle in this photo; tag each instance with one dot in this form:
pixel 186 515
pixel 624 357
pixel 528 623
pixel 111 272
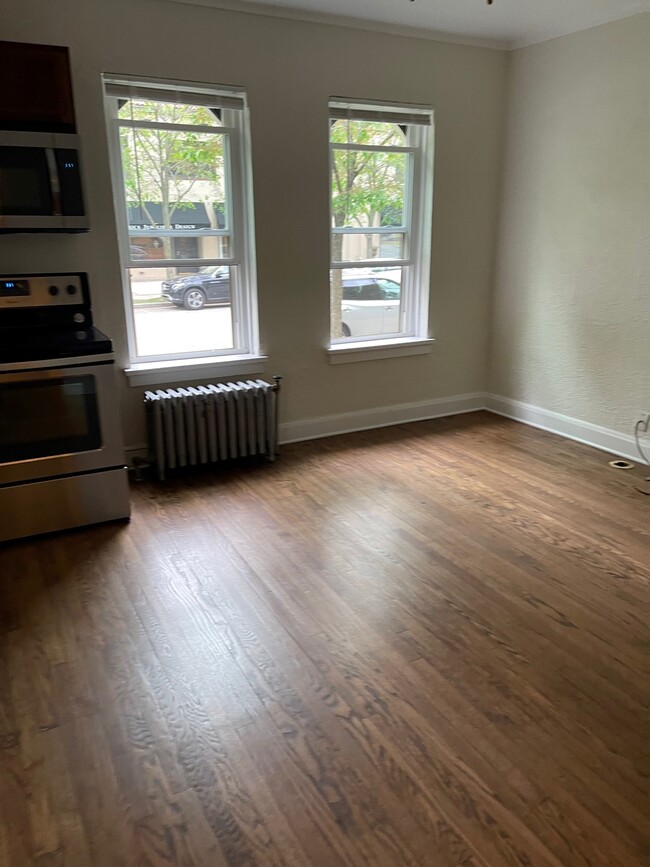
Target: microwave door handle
pixel 55 184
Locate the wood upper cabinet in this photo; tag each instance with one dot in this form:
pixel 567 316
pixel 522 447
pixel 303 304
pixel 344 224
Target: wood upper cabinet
pixel 35 88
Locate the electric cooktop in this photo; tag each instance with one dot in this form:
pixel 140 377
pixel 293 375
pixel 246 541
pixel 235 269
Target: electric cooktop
pixel 40 343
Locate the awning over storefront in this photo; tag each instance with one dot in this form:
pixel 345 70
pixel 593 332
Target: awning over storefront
pixel 189 215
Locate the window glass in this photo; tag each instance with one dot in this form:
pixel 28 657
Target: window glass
pixel 184 172
pixel 375 132
pixel 175 186
pixel 380 178
pixel 389 289
pixel 366 246
pixel 178 310
pixel 368 188
pixel 167 112
pixel 370 302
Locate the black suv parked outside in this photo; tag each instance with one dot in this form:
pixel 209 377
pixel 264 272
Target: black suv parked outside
pixel 210 285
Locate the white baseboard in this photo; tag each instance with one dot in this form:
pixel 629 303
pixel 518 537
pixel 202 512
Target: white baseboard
pixel 348 422
pixel 572 428
pixel 365 419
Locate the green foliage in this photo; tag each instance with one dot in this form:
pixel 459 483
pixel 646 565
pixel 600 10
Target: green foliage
pixel 367 189
pixel 367 186
pixel 166 166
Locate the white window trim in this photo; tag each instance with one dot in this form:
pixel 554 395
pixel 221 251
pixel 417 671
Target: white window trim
pixel 161 372
pixel 372 350
pixel 245 357
pixel 414 338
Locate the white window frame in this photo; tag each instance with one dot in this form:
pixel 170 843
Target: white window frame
pixel 235 129
pixel 418 208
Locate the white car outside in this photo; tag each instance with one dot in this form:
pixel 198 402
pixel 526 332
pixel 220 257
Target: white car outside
pixel 371 303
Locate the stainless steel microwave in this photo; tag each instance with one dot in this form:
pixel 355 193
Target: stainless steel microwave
pixel 40 183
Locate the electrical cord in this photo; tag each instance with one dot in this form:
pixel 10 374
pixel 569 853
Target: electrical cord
pixel 639 428
pixel 642 427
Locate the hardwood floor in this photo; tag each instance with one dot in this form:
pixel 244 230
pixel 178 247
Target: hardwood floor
pixel 421 645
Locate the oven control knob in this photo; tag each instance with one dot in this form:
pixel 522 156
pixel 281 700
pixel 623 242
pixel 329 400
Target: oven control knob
pixel 71 289
pixel 53 290
pixel 79 318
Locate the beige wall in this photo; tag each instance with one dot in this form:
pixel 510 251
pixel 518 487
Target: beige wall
pixel 571 312
pixel 289 70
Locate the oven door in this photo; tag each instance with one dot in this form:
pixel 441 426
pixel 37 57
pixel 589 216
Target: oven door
pixel 58 421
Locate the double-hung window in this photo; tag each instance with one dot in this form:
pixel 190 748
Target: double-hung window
pixel 381 163
pixel 181 169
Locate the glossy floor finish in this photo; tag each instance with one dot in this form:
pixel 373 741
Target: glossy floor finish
pixel 420 645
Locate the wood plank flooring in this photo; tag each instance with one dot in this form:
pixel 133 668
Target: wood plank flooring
pixel 421 645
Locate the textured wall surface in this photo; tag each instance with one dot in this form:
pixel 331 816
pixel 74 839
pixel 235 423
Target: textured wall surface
pixel 290 69
pixel 571 309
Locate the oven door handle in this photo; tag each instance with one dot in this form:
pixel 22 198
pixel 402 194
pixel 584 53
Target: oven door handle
pixel 58 363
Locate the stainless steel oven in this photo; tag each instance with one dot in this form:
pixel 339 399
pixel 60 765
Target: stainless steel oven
pixel 61 452
pixel 57 421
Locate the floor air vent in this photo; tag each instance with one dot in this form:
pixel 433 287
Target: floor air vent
pixel 204 424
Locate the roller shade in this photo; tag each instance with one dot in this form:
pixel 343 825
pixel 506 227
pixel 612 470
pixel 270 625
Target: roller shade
pixel 127 90
pixel 403 115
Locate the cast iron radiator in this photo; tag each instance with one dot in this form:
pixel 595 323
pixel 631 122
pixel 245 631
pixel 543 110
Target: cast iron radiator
pixel 204 424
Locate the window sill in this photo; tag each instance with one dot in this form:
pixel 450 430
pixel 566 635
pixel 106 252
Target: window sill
pixel 190 369
pixel 368 350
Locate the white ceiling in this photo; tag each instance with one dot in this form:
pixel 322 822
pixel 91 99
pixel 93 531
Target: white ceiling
pixel 507 23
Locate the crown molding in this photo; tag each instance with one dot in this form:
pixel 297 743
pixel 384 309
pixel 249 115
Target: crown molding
pixel 249 7
pixel 639 7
